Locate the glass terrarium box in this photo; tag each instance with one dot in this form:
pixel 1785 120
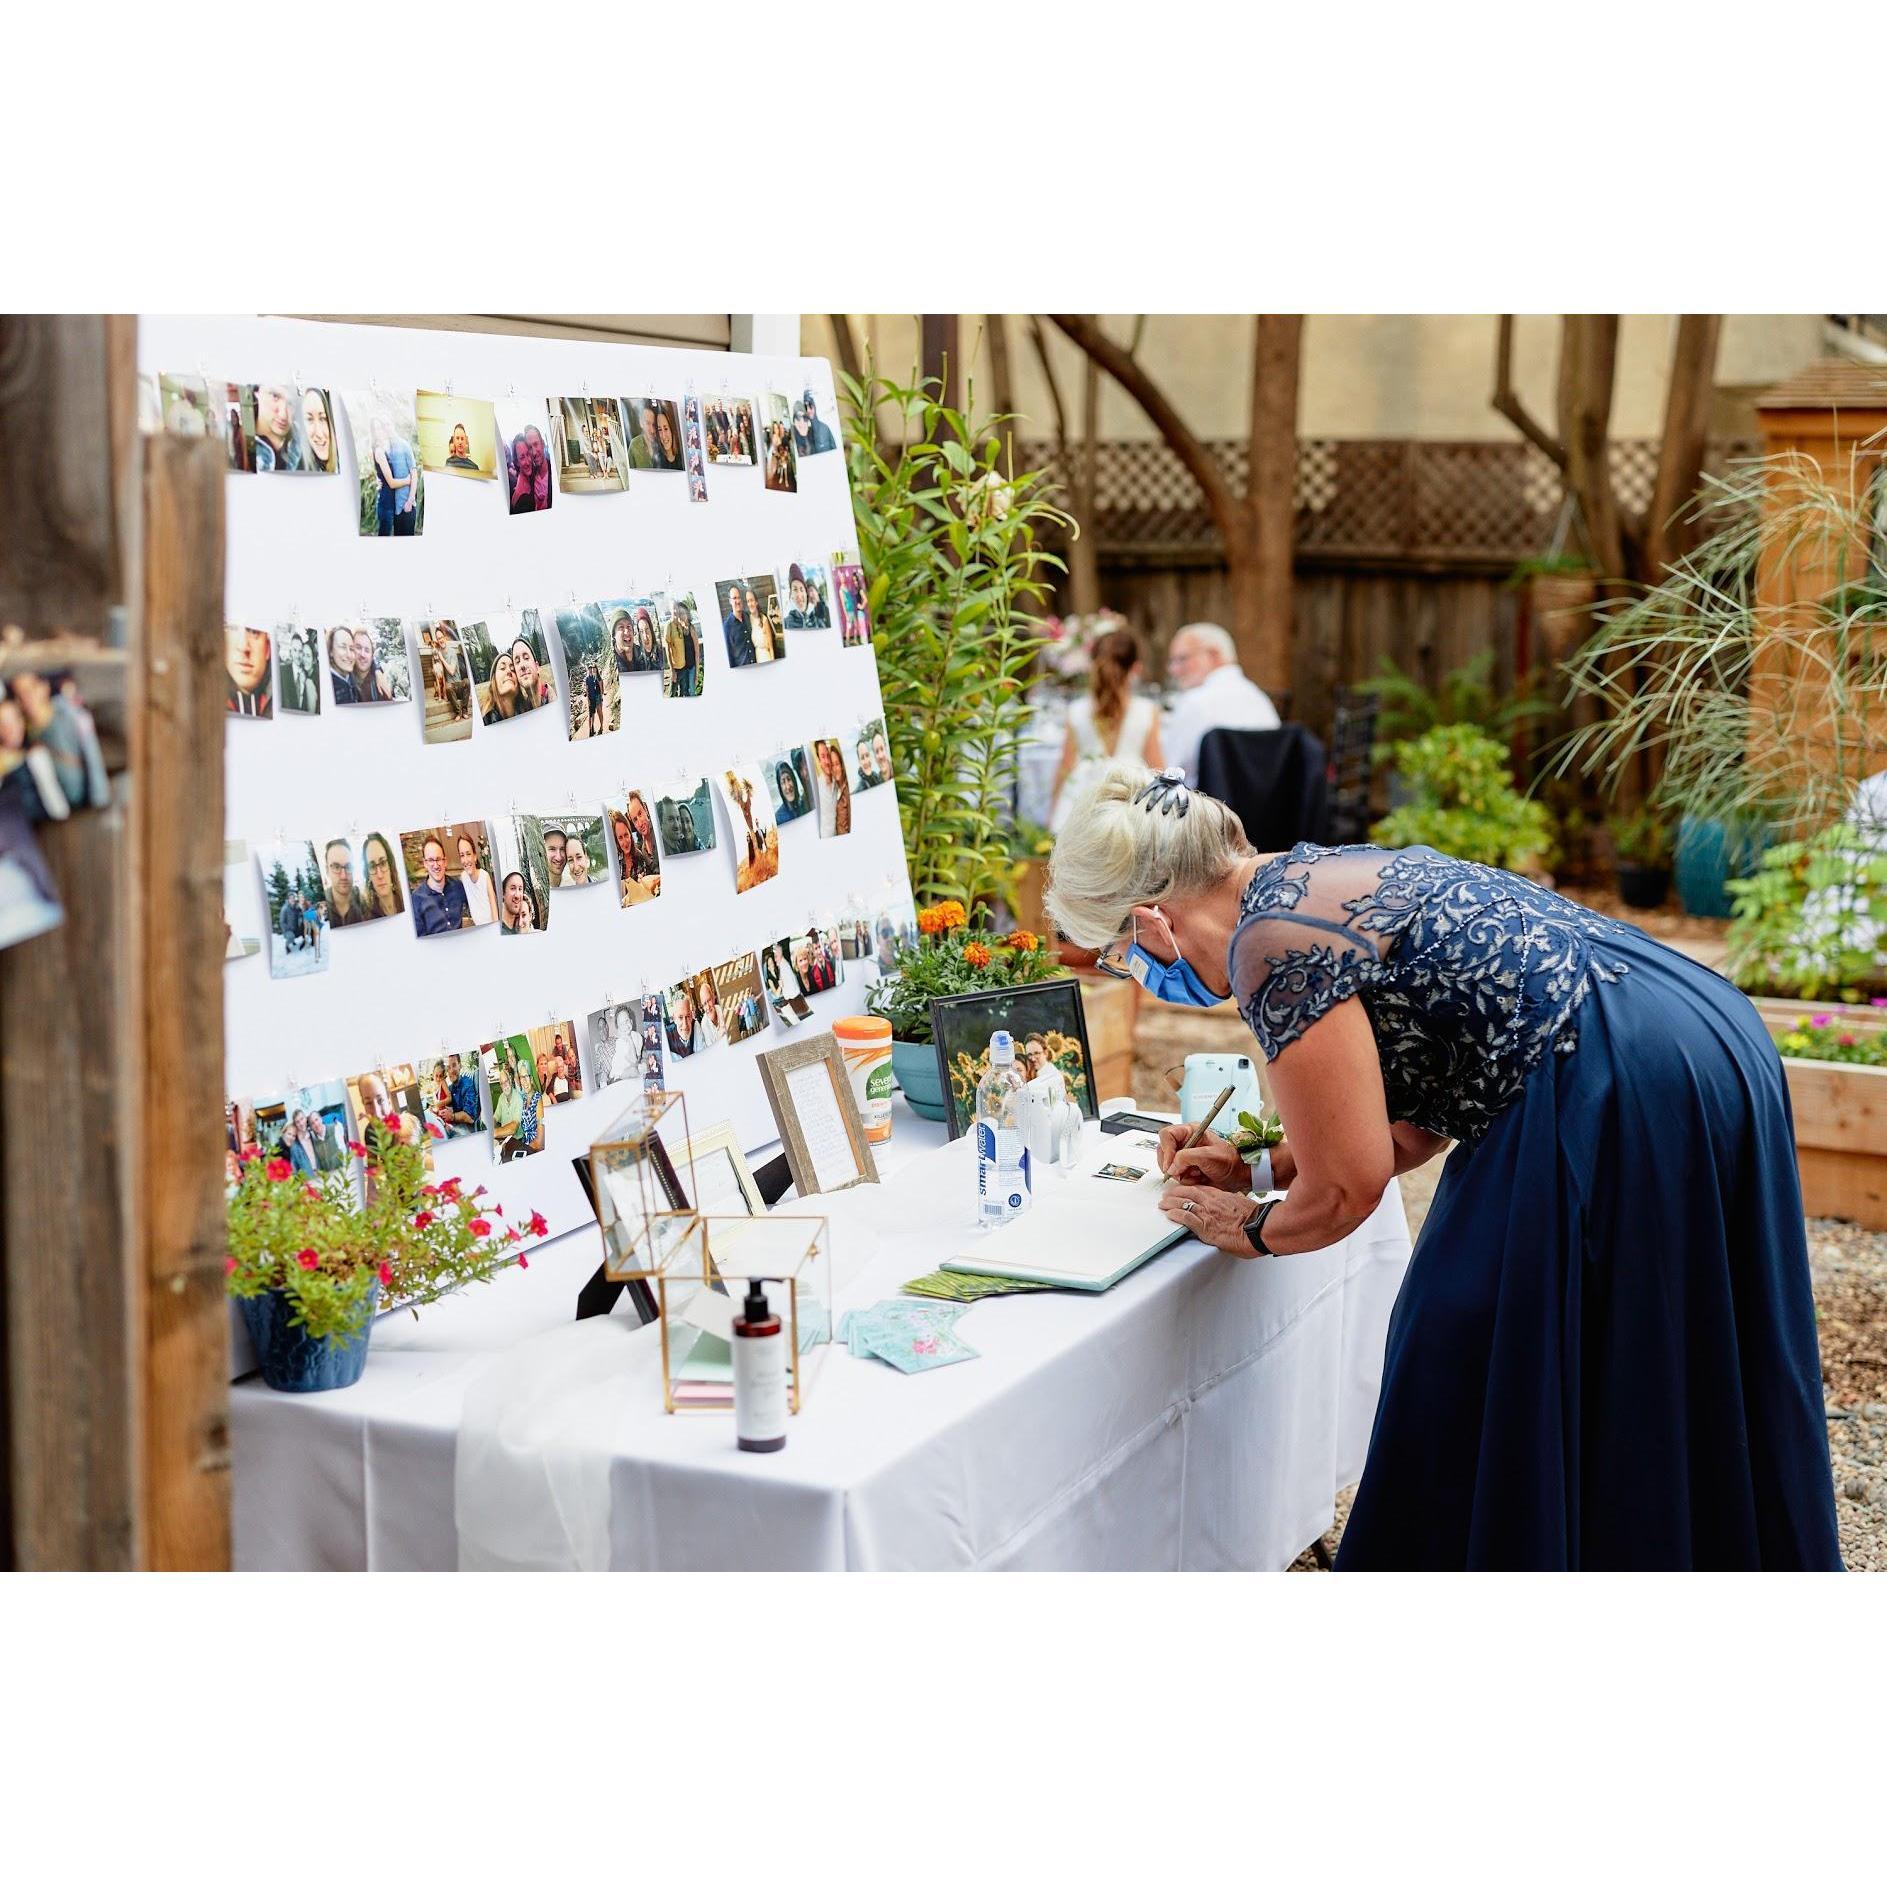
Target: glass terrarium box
pixel 701 1291
pixel 644 1188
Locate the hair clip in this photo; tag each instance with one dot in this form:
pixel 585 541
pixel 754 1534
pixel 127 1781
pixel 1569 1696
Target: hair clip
pixel 1166 792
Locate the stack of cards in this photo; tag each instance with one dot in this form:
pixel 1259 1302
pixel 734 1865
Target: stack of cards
pixel 963 1288
pixel 910 1337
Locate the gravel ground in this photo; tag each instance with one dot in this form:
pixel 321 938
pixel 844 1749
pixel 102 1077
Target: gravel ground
pixel 1849 1267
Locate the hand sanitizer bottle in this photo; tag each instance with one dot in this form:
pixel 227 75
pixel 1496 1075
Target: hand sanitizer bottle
pixel 1002 1160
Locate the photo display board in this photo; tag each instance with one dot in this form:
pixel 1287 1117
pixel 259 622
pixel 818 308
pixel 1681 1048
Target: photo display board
pixel 598 538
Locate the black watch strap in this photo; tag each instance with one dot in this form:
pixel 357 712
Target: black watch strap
pixel 1255 1228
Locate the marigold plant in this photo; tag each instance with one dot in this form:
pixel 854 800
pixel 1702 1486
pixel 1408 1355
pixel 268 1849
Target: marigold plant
pixel 953 957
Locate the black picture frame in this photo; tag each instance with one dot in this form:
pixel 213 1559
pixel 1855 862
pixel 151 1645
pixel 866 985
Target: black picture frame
pixel 599 1295
pixel 964 1024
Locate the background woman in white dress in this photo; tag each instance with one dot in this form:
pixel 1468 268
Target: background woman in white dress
pixel 1112 723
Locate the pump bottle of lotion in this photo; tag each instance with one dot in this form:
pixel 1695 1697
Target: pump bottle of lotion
pixel 759 1348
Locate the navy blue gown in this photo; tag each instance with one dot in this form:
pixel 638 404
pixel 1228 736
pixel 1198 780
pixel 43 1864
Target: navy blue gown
pixel 1604 1352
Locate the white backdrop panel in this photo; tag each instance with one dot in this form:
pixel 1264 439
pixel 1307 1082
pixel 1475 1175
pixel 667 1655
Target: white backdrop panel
pixel 294 552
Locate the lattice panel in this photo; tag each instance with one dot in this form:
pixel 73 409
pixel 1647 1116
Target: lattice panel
pixel 1427 500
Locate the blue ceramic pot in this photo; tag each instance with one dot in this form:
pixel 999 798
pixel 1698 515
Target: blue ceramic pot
pixel 1705 858
pixel 915 1065
pixel 293 1361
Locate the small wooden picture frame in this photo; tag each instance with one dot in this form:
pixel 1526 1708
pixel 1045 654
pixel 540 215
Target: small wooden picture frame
pixel 716 1158
pixel 811 1097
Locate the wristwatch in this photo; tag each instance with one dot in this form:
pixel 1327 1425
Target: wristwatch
pixel 1255 1228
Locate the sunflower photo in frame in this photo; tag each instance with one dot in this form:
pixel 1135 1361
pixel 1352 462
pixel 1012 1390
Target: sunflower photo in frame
pixel 1051 1037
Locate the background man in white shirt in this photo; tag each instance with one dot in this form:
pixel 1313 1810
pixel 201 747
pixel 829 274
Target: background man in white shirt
pixel 1214 692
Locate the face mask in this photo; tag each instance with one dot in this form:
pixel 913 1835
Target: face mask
pixel 1175 982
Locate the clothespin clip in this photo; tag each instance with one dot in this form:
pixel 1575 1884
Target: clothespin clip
pixel 448 388
pixel 511 391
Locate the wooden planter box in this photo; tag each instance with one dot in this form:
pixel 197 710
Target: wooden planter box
pixel 1840 1119
pixel 1112 1007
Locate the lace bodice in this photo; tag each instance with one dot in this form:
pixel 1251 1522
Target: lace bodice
pixel 1469 975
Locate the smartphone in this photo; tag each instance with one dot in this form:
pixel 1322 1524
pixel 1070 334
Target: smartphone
pixel 1132 1123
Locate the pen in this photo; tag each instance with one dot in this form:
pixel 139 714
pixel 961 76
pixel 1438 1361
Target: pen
pixel 1211 1114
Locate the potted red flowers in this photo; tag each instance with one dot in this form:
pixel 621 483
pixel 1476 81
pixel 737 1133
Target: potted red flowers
pixel 308 1260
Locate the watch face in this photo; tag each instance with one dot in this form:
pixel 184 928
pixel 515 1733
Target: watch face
pixel 1255 1226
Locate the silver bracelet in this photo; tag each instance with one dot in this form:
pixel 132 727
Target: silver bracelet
pixel 1261 1181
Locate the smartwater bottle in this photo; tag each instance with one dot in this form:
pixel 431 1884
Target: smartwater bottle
pixel 1002 1160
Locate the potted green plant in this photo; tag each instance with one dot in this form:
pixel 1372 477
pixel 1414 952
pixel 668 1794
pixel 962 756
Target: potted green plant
pixel 951 540
pixel 1642 843
pixel 308 1259
pixel 1462 801
pixel 952 957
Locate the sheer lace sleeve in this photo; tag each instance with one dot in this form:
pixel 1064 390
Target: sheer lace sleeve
pixel 1299 952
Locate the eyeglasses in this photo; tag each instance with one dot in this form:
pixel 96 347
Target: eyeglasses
pixel 1113 961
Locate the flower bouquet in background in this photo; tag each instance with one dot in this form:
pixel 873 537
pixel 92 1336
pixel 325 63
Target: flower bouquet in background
pixel 951 957
pixel 1067 654
pixel 307 1260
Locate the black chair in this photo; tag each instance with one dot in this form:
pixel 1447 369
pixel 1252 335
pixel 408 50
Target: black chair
pixel 1274 781
pixel 1352 766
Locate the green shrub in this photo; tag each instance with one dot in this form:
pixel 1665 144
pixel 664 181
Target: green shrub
pixel 1780 945
pixel 1464 802
pixel 1642 838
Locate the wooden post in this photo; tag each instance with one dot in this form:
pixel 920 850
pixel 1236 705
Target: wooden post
pixel 181 795
pixel 71 1049
pixel 940 355
pixel 112 1346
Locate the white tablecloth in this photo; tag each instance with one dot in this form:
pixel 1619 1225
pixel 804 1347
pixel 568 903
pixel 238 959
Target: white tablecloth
pixel 1202 1414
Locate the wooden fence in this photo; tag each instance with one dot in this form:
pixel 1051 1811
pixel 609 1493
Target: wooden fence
pixel 1404 547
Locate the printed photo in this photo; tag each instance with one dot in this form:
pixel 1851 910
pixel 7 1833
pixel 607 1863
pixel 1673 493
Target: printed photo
pixel 360 880
pixel 872 755
pixel 518 1105
pixel 246 689
pixel 695 445
pixel 808 594
pixel 742 1002
pixel 756 837
pixel 575 850
pixel 751 624
pixel 395 1094
pixel 848 579
pixel 590 441
pixel 595 698
pixel 189 408
pixel 381 671
pixel 832 788
pixel 307 1127
pixel 237 431
pixel 895 928
pixel 298 667
pixel 638 865
pixel 811 434
pixel 817 960
pixel 634 639
pixel 855 936
pixel 686 823
pixel 298 916
pixel 554 1057
pixel 653 1077
pixel 235 853
pixel 449 878
pixel 684 1024
pixel 524 452
pixel 449 1088
pixel 683 669
pixel 729 426
pixel 386 457
pixel 656 446
pixel 510 657
pixel 239 1139
pixel 446 679
pixel 29 896
pixel 1126 1174
pixel 615 1033
pixel 784 990
pixel 789 784
pixel 457 435
pixel 777 423
pixel 276 430
pixel 522 864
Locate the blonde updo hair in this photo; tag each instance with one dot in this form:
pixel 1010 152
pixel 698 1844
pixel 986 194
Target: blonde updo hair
pixel 1112 854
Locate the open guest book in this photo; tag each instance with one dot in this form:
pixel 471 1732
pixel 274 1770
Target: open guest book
pixel 1085 1230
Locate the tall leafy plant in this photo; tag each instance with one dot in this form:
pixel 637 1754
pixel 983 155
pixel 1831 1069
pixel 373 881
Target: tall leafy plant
pixel 956 577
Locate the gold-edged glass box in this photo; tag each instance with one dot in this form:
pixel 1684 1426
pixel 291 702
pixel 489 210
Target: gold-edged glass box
pixel 642 1174
pixel 699 1294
